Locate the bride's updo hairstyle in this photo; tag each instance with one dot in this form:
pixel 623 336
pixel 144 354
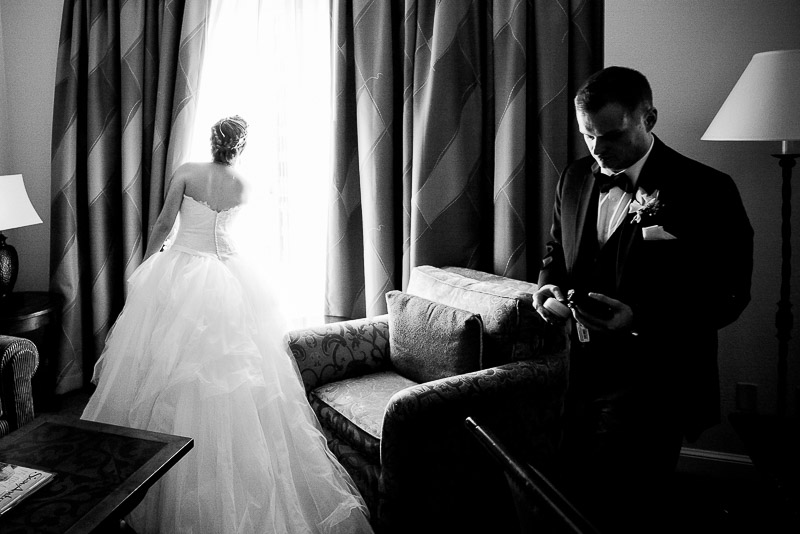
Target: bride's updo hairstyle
pixel 228 138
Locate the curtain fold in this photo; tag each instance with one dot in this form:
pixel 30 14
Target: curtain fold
pixel 126 79
pixel 452 122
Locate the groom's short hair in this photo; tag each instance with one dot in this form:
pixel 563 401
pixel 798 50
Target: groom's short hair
pixel 620 85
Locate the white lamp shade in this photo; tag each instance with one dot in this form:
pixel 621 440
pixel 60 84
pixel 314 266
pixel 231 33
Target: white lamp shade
pixel 764 105
pixel 16 209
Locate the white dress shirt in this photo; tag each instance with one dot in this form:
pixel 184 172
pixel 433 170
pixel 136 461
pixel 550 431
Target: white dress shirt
pixel 613 205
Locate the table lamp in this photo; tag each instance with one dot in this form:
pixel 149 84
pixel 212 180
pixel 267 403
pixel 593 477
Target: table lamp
pixel 15 211
pixel 764 105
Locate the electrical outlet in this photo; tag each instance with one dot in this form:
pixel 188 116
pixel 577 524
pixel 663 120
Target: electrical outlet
pixel 746 397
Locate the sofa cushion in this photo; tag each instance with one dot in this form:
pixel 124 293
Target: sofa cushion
pixel 353 408
pixel 430 340
pixel 512 328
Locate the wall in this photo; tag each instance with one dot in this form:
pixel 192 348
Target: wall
pixel 693 52
pixel 30 32
pixel 5 148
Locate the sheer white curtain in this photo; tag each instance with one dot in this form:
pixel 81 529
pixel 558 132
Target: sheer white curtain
pixel 269 61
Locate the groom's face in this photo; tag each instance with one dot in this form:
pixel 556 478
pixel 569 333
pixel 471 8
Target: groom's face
pixel 617 138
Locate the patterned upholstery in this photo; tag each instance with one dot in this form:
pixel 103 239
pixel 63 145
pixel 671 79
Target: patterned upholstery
pixel 366 473
pixel 340 350
pixel 404 443
pixel 512 328
pixel 429 340
pixel 18 362
pixel 423 441
pixel 354 408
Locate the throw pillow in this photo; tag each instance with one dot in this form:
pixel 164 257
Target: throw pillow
pixel 429 340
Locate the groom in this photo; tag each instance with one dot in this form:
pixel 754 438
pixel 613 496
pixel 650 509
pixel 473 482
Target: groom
pixel 658 250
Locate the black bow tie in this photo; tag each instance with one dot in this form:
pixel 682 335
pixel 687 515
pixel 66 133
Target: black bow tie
pixel 620 180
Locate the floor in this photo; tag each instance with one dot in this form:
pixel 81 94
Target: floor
pixel 704 503
pixel 71 404
pixel 709 505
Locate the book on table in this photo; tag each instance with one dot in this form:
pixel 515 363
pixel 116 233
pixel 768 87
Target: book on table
pixel 17 482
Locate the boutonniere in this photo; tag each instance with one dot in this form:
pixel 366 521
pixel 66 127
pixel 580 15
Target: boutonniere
pixel 645 206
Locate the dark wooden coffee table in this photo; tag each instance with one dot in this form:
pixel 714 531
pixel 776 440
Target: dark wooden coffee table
pixel 102 473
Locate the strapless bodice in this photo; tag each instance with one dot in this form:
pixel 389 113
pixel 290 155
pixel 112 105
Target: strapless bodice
pixel 205 230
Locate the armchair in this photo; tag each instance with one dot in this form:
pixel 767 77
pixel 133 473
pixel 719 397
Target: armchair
pixel 18 362
pixel 403 440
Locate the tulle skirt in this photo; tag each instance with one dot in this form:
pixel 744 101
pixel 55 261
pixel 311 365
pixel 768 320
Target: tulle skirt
pixel 197 351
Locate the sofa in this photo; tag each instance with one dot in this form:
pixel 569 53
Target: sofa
pixel 392 393
pixel 18 362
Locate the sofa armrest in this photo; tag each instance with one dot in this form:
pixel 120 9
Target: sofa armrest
pixel 340 350
pixel 19 359
pixel 525 396
pixel 429 462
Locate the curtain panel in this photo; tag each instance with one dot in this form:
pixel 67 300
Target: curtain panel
pixel 452 122
pixel 126 79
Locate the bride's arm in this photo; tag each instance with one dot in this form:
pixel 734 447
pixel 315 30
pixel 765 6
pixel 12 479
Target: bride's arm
pixel 166 219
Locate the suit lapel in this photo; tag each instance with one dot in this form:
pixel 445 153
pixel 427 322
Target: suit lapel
pixel 585 199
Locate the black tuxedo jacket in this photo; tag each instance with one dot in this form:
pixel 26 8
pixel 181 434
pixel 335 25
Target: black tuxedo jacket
pixel 681 291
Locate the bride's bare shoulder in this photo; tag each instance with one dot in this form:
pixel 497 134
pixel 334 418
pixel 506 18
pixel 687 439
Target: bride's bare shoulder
pixel 193 172
pixel 193 167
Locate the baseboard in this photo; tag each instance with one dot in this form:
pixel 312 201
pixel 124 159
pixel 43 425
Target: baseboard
pixel 717 464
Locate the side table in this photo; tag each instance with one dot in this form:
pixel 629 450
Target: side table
pixel 36 315
pixel 102 473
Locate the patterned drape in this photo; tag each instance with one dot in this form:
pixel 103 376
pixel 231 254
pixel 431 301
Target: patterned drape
pixel 452 122
pixel 126 77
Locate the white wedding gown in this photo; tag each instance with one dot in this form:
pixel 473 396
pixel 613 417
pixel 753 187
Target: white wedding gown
pixel 197 351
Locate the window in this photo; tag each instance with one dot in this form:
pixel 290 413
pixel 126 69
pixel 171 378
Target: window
pixel 269 61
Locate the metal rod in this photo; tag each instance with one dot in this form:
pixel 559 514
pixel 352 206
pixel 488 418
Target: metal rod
pixel 783 317
pixel 529 478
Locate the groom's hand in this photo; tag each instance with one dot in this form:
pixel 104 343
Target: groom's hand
pixel 540 297
pixel 620 318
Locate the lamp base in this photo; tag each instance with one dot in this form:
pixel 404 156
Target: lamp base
pixel 9 267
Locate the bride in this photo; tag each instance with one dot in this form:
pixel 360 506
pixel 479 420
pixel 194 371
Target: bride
pixel 197 352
